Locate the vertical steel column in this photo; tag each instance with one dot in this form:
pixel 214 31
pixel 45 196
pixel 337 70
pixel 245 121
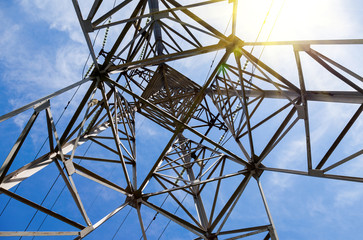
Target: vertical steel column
pixel 195 189
pixel 154 7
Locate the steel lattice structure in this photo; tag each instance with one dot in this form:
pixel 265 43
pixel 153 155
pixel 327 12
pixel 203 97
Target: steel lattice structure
pixel 133 76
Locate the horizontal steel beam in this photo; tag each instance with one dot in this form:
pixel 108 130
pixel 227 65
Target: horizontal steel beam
pixel 39 101
pixel 320 96
pixel 315 173
pixel 306 42
pixel 35 166
pixel 166 58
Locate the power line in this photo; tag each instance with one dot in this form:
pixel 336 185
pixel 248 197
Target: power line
pixel 161 234
pixel 123 221
pixel 60 193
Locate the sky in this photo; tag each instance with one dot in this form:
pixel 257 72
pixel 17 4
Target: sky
pixel 43 50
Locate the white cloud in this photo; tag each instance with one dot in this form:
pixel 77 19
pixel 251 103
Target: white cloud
pixel 59 15
pixel 348 197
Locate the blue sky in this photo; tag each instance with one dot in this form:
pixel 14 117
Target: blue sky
pixel 43 50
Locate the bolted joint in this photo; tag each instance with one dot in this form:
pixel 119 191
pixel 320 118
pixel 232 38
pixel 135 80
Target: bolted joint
pixel 88 25
pixel 135 199
pixel 86 231
pixel 235 45
pixel 300 112
pixel 211 236
pixel 70 167
pixel 41 106
pixel 301 47
pixel 316 172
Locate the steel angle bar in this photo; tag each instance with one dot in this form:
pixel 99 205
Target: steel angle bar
pixel 41 208
pixel 154 7
pixel 275 138
pixel 69 167
pixel 264 227
pixel 50 133
pixel 195 188
pixel 200 232
pixel 214 165
pixel 95 6
pixel 353 74
pixel 104 145
pixel 90 229
pixel 43 99
pixel 333 71
pixel 74 193
pixel 184 27
pixel 226 106
pixel 223 39
pixel 318 173
pixel 85 33
pixel 175 178
pixel 343 161
pixel 81 126
pixel 181 205
pixel 26 171
pixel 340 137
pixel 165 58
pixel 254 110
pixel 97 110
pixel 15 149
pixel 267 237
pixel 161 13
pixel 116 139
pixel 234 16
pixel 140 32
pixel 305 107
pixel 262 65
pixel 245 108
pixel 107 63
pixel 231 203
pixel 270 148
pixel 93 159
pixel 174 184
pixel 198 20
pixel 77 113
pixel 319 96
pixel 307 42
pixel 273 230
pixel 216 193
pixel 109 13
pixel 82 171
pixel 247 234
pixel 242 172
pixel 111 214
pixel 140 221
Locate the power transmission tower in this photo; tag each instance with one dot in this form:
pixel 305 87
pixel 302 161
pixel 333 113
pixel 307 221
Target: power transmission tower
pixel 197 170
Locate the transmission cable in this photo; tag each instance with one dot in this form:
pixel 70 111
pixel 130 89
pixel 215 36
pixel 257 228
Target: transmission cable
pixel 122 223
pixel 45 141
pixel 69 102
pixel 166 226
pixel 58 196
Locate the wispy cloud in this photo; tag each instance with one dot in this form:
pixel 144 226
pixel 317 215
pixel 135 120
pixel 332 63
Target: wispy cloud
pixel 59 15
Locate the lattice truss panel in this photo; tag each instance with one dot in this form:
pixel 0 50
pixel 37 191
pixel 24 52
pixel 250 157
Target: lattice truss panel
pixel 93 151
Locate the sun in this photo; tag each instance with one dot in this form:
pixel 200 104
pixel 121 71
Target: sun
pixel 291 20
